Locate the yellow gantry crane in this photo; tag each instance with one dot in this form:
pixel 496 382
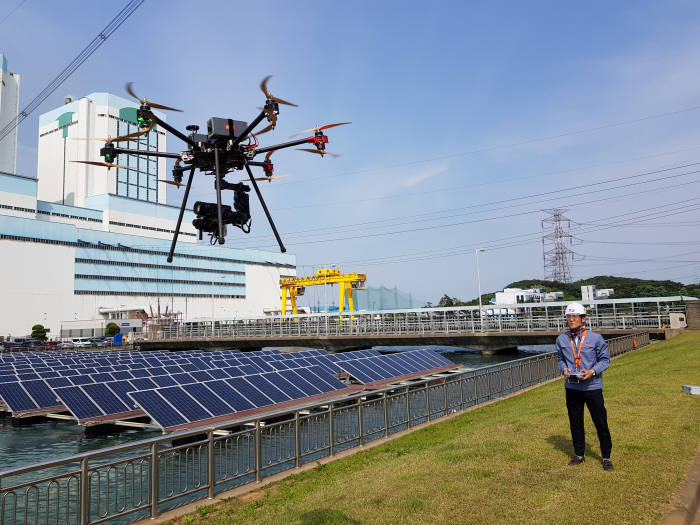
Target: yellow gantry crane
pixel 294 286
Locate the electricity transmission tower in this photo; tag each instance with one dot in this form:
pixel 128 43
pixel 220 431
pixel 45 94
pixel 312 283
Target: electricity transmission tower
pixel 557 254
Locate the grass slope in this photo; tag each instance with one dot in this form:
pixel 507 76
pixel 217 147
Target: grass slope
pixel 506 463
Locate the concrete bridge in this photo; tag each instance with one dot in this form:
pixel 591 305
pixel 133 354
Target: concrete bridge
pixel 488 329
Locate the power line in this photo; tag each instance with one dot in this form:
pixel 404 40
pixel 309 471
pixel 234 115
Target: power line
pixel 472 221
pixel 8 15
pixel 117 21
pixel 426 216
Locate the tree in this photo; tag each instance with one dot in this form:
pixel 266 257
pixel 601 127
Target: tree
pixel 39 332
pixel 112 329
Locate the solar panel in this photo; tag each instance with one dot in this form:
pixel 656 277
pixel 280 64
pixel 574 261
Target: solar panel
pixel 251 393
pixel 270 390
pixel 229 395
pixel 163 380
pixel 185 404
pixel 208 398
pixel 78 403
pixel 42 393
pixel 143 383
pixel 16 398
pixel 81 380
pixel 105 399
pixel 360 372
pixel 285 386
pixel 302 384
pixel 56 382
pixel 158 408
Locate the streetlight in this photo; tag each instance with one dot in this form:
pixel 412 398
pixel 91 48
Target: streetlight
pixel 478 282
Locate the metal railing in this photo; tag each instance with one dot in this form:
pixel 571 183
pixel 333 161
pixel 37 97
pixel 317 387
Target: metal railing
pixel 363 324
pixel 144 478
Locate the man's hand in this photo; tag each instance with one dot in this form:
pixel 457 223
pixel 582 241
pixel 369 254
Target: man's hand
pixel 565 372
pixel 587 374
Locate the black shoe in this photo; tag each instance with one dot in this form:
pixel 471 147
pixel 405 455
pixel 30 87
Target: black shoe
pixel 607 465
pixel 576 460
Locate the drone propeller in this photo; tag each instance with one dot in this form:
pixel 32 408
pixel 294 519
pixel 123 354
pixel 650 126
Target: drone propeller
pixel 95 163
pixel 174 183
pixel 320 128
pixel 145 102
pixel 319 152
pixel 263 87
pixel 269 179
pixel 116 139
pixel 132 136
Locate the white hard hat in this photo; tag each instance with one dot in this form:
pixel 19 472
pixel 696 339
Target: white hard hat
pixel 575 309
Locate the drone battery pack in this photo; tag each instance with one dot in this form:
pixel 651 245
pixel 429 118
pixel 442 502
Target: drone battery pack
pixel 225 128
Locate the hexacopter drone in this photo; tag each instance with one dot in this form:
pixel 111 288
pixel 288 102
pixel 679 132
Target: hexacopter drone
pixel 228 145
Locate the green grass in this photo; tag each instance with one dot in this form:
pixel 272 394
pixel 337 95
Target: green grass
pixel 506 462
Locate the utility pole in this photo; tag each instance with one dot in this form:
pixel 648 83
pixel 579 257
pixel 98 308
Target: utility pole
pixel 557 254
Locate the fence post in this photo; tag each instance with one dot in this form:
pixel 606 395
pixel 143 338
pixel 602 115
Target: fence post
pixel 386 415
pixel 461 391
pixel 258 453
pixel 211 465
pixel 360 425
pixel 408 408
pixel 297 440
pixel 155 480
pixel 331 431
pixel 444 390
pixel 84 492
pixel 427 399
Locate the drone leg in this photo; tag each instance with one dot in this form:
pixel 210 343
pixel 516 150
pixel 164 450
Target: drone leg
pixel 179 217
pixel 262 201
pixel 220 237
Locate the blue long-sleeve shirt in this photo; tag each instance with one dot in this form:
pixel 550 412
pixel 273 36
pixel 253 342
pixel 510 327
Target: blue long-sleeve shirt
pixel 594 356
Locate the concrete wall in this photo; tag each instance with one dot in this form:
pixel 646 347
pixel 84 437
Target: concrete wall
pixel 692 309
pixel 9 109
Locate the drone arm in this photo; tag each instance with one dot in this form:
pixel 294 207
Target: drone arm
pixel 250 128
pixel 172 130
pixel 144 153
pixel 179 217
pixel 284 145
pixel 267 212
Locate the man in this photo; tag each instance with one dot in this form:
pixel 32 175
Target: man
pixel 583 356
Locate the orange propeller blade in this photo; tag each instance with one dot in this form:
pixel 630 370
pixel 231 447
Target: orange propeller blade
pixel 130 90
pixel 319 152
pixel 263 87
pixel 269 179
pixel 178 184
pixel 320 128
pixel 133 135
pixel 95 163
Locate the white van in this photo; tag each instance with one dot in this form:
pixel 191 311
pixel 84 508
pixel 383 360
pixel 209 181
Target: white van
pixel 82 342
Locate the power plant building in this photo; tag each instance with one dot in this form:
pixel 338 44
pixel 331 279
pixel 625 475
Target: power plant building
pixel 83 243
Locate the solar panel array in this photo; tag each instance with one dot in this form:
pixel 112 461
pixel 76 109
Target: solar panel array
pixel 186 388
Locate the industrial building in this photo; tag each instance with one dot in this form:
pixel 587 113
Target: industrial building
pixel 82 244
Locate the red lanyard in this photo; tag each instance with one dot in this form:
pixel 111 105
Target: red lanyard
pixel 577 357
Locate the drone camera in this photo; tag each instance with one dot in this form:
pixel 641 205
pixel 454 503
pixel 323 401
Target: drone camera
pixel 239 216
pixel 224 128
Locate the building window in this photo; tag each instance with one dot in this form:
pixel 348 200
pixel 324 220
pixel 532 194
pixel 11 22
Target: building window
pixel 140 178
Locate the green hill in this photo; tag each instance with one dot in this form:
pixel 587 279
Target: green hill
pixel 625 287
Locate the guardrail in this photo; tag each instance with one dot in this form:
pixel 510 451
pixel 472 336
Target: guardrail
pixel 141 479
pixel 364 324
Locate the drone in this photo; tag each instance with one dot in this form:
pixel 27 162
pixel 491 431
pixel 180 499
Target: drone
pixel 229 145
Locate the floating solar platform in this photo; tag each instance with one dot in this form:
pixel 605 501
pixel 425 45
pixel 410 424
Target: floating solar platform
pixel 194 388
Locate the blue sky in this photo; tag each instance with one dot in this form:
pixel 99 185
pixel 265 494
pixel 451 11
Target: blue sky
pixel 468 118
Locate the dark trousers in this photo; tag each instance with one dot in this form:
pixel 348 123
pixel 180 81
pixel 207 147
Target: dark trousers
pixel 593 399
